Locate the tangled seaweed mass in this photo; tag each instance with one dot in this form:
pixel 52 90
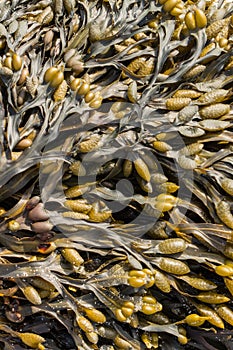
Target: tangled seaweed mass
pixel 116 174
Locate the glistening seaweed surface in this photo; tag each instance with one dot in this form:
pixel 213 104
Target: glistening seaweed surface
pixel 116 174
